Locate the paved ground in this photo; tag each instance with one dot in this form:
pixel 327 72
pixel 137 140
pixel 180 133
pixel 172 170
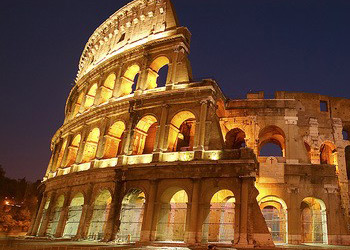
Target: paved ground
pixel 37 244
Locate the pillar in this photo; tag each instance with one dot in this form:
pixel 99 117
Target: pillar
pixel 294 217
pixel 66 150
pixel 243 213
pixel 113 221
pixel 102 140
pixel 39 215
pixel 46 219
pixel 63 216
pixel 192 234
pixel 35 215
pixel 146 230
pixel 117 83
pixel 80 152
pixel 84 222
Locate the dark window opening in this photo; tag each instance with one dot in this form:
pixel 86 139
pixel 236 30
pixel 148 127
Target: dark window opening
pixel 345 135
pixel 271 149
pixel 136 79
pixel 347 159
pixel 122 37
pixel 323 106
pixel 162 76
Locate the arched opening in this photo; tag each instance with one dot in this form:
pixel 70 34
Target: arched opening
pixel 74 214
pixel 157 71
pixel 90 96
pixel 347 160
pixel 328 154
pixel 55 217
pixel 308 151
pixel 272 142
pixel 102 206
pixel 73 150
pixel 107 88
pixel 60 155
pixel 113 140
pixel 181 132
pixel 173 215
pixel 274 211
pixel 128 80
pixel 235 139
pixel 145 135
pixel 90 147
pixel 44 214
pixel 220 223
pixel 77 104
pixel 314 221
pixel 131 216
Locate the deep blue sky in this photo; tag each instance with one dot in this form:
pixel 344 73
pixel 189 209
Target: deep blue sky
pixel 299 45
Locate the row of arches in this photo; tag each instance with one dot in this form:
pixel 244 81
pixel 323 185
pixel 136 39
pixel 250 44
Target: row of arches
pixel 155 75
pixel 172 220
pixel 181 136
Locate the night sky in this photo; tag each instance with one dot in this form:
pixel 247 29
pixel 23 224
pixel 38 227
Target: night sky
pixel 299 45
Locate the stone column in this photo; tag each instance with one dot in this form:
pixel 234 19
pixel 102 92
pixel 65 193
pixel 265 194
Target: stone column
pixel 39 215
pixel 66 150
pixel 172 70
pixel 84 134
pixel 102 140
pixel 243 213
pixel 199 138
pixel 63 216
pixel 82 109
pixel 35 215
pixel 45 221
pixel 83 219
pixel 99 90
pixel 146 230
pixel 159 147
pixel 294 217
pixel 113 221
pixel 117 82
pixel 192 239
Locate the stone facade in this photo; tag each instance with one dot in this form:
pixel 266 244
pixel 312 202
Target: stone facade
pixel 138 160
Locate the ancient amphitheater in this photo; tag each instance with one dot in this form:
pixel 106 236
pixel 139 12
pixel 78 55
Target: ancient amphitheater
pixel 145 160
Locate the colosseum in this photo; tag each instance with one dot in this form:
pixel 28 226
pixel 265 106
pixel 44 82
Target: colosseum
pixel 151 160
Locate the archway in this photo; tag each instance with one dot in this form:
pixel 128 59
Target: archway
pixel 90 96
pixel 272 142
pixel 74 214
pixel 44 214
pixel 173 215
pixel 60 155
pixel 220 223
pixel 181 132
pixel 73 150
pixel 274 211
pixel 100 214
pixel 107 88
pixel 90 147
pixel 153 72
pixel 55 217
pixel 235 139
pixel 77 105
pixel 328 154
pixel 128 80
pixel 131 216
pixel 113 140
pixel 145 135
pixel 314 221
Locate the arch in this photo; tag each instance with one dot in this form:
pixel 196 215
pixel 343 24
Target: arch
pixel 107 88
pixel 128 80
pixel 328 153
pixel 220 222
pixel 235 139
pixel 44 214
pixel 347 160
pixel 90 96
pixel 90 147
pixel 73 150
pixel 102 206
pixel 131 216
pixel 60 155
pixel 74 215
pixel 181 132
pixel 314 221
pixel 55 216
pixel 272 141
pixel 113 140
pixel 145 135
pixel 173 215
pixel 274 210
pixel 153 71
pixel 77 104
